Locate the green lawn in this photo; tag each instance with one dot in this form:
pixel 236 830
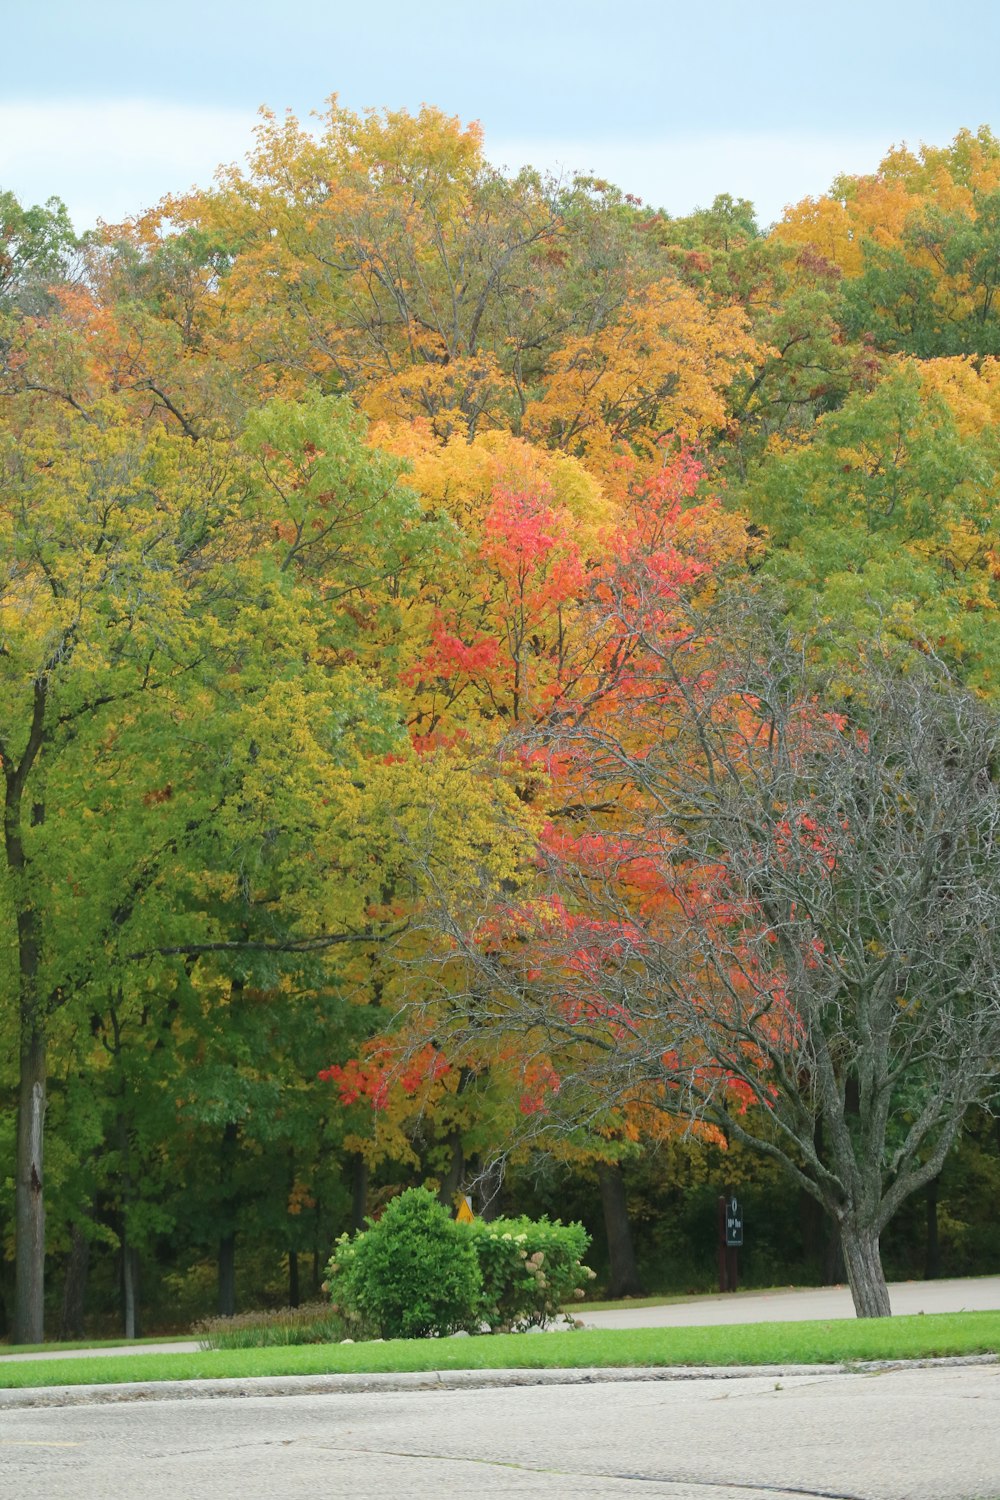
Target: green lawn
pixel 834 1342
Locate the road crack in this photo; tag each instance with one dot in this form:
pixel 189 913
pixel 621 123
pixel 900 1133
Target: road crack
pixel 756 1487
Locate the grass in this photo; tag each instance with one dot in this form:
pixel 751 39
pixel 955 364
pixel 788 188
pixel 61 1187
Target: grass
pixel 311 1323
pixel 832 1342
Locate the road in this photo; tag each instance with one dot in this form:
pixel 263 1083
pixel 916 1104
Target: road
pixel 909 1434
pixel 972 1294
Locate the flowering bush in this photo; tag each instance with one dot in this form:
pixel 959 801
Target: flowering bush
pixel 417 1272
pixel 412 1273
pixel 529 1268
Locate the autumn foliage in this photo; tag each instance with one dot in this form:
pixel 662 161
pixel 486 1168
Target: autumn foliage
pixel 360 520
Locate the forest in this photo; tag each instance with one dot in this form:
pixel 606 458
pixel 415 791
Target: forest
pixel 500 692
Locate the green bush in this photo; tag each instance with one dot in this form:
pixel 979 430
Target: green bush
pixel 412 1273
pixel 529 1269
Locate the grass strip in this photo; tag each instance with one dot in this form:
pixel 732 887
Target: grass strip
pixel 836 1341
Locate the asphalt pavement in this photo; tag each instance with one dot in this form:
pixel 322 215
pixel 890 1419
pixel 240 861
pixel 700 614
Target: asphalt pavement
pixel 913 1432
pixel 796 1305
pixel 906 1434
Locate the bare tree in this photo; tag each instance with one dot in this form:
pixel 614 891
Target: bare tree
pixel 781 914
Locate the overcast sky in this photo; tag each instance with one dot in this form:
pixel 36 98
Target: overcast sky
pixel 112 103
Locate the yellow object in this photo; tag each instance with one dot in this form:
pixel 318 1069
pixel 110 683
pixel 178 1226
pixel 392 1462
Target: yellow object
pixel 463 1213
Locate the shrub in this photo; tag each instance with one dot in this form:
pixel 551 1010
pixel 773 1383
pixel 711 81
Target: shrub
pixel 529 1269
pixel 412 1273
pixel 312 1323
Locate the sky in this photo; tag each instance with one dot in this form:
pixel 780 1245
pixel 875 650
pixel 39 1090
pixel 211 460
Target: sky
pixel 111 104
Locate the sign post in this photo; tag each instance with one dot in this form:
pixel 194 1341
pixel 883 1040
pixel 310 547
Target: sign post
pixel 730 1240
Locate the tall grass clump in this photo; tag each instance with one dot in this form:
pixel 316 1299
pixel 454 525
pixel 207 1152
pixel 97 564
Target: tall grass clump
pixel 312 1323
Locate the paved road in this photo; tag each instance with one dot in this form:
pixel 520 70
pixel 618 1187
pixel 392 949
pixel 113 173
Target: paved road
pixel 912 1434
pixel 176 1346
pixel 973 1294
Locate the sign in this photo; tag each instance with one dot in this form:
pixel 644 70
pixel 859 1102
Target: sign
pixel 734 1222
pixel 464 1214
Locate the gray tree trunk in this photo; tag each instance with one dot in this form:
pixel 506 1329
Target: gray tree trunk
pixel 452 1178
pixel 29 1306
pixel 359 1192
pixel 227 1216
pixel 490 1185
pixel 834 1270
pixel 227 1275
pixel 75 1286
pixel 29 1196
pixel 932 1247
pixel 864 1270
pixel 130 1288
pixel 624 1273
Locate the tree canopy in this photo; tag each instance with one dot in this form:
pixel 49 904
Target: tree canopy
pixel 381 698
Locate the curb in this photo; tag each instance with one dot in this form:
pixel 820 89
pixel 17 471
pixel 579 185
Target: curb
pixel 439 1380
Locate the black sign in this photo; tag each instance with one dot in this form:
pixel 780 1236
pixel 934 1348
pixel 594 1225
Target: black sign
pixel 734 1222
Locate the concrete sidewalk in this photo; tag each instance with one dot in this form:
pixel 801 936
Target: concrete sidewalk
pixel 794 1305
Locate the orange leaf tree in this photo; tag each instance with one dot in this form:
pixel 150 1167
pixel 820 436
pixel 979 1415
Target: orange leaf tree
pixel 530 634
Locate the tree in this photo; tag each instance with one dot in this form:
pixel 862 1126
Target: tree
pixel 194 764
pixel 114 542
pixel 917 242
pixel 791 297
pixel 397 262
pixel 388 259
pixel 36 245
pixel 506 641
pixel 656 372
pixel 885 522
pixel 790 927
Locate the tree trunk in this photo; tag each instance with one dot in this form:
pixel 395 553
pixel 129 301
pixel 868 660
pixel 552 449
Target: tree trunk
pixel 359 1192
pixel 227 1275
pixel 624 1274
pixel 75 1286
pixel 452 1179
pixel 834 1269
pixel 227 1217
pixel 932 1247
pixel 293 1278
pixel 490 1185
pixel 130 1288
pixel 29 1197
pixel 129 1259
pixel 29 1307
pixel 864 1270
pixel 812 1227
